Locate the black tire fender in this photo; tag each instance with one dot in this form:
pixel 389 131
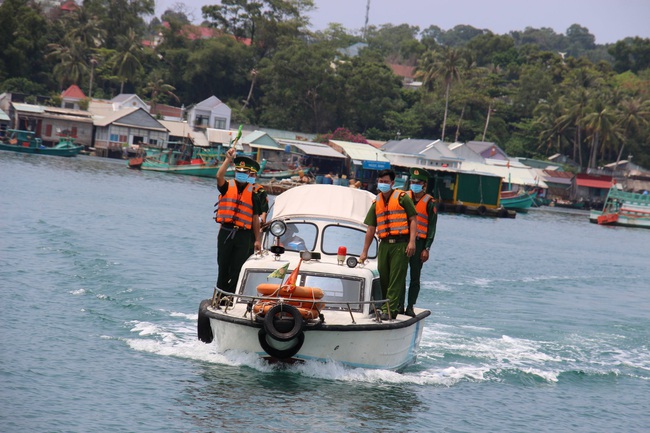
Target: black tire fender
pixel 481 210
pixel 283 329
pixel 203 328
pixel 280 353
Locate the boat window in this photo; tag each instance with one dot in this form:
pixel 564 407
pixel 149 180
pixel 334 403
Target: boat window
pixel 335 236
pixel 298 237
pixel 253 279
pixel 338 289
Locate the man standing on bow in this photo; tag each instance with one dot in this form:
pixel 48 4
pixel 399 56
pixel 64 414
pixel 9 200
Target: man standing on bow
pixel 238 213
pixel 393 217
pixel 427 218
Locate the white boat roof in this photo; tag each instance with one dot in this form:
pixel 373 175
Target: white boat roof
pixel 328 201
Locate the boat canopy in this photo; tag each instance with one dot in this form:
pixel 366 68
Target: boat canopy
pixel 328 201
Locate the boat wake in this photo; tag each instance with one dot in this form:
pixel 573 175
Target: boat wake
pixel 448 355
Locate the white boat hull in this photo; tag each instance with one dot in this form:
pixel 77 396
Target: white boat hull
pixel 389 345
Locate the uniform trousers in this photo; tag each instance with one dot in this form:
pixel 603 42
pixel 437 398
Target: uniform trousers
pixel 392 264
pixel 233 248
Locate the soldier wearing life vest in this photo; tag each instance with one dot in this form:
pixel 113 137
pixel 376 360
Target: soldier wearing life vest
pixel 392 216
pixel 238 213
pixel 427 218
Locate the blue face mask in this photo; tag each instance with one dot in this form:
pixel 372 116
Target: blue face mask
pixel 241 177
pixel 383 187
pixel 416 188
pixel 251 179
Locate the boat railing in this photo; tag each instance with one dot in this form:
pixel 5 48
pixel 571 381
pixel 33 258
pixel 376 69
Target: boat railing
pixel 227 300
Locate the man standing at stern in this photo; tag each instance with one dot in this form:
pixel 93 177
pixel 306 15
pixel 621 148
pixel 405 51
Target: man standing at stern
pixel 427 218
pixel 393 217
pixel 238 213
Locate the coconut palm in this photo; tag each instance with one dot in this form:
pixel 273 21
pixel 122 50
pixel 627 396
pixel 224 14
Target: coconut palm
pixel 158 89
pixel 71 58
pixel 127 57
pixel 634 114
pixel 449 67
pixel 602 129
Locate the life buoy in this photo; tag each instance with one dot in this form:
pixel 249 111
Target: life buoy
pixel 283 328
pixel 203 328
pixel 280 349
pixel 307 313
pixel 481 210
pixel 268 289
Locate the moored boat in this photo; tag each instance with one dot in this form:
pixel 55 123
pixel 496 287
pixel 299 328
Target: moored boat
pixel 327 310
pixel 517 200
pixel 27 142
pixel 623 208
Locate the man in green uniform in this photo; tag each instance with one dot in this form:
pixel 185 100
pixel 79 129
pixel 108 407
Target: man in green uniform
pixel 263 198
pixel 427 219
pixel 393 217
pixel 238 213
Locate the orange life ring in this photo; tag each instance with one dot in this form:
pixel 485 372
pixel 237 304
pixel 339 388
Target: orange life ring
pixel 306 313
pixel 268 289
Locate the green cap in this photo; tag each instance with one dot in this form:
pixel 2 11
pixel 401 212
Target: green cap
pixel 419 174
pixel 244 163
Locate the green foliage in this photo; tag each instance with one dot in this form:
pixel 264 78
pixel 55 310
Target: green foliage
pixel 341 134
pixel 534 92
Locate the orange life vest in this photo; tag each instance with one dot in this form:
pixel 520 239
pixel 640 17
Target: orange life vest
pixel 235 208
pixel 391 217
pixel 423 214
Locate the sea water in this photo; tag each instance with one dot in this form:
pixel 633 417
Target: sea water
pixel 539 323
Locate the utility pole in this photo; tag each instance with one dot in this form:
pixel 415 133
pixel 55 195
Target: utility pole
pixel 365 26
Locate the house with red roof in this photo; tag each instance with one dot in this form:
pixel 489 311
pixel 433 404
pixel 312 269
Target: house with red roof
pixel 71 96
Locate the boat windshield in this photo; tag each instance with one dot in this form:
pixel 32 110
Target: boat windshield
pixel 335 236
pixel 298 237
pixel 337 288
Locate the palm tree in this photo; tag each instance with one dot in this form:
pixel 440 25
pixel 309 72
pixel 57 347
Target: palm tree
pixel 575 106
pixel 449 67
pixel 126 59
pixel 634 115
pixel 602 127
pixel 157 88
pixel 71 57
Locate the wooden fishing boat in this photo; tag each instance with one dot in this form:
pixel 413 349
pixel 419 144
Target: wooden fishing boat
pixel 27 142
pixel 623 208
pixel 517 200
pixel 327 310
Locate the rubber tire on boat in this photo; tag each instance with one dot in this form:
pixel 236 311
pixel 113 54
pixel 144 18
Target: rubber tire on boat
pixel 280 353
pixel 503 212
pixel 279 328
pixel 203 328
pixel 481 210
pixel 460 209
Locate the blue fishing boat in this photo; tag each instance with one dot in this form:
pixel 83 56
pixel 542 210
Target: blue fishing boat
pixel 517 200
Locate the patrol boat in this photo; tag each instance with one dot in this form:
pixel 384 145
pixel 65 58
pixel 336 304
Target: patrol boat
pixel 328 309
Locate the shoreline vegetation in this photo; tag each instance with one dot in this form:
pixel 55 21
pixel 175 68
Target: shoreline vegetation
pixel 534 92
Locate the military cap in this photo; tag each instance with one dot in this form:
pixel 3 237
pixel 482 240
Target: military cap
pixel 244 163
pixel 419 174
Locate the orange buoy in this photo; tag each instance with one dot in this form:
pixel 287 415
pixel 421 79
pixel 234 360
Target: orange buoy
pixel 306 313
pixel 268 289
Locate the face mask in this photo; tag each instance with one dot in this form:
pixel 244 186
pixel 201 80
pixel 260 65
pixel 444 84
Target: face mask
pixel 416 188
pixel 251 179
pixel 383 187
pixel 241 177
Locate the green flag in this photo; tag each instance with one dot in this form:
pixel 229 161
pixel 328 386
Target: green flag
pixel 279 273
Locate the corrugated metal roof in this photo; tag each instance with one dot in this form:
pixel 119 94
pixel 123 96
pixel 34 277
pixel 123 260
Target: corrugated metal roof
pixel 360 151
pixel 315 149
pixel 520 175
pixel 594 183
pixel 28 108
pixel 108 118
pixel 4 116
